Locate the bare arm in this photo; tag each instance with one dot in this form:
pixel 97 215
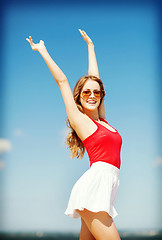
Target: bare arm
pixel 58 75
pixel 72 111
pixel 92 67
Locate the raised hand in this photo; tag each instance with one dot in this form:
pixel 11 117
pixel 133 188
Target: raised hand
pixel 37 46
pixel 85 36
pixel 92 61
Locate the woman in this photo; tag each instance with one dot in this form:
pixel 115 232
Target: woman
pixel 93 196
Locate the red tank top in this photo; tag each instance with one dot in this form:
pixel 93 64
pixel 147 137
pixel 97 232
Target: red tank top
pixel 104 145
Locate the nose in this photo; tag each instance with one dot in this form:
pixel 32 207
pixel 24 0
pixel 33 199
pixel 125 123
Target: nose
pixel 92 94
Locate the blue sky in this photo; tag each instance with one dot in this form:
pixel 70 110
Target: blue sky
pixel 34 161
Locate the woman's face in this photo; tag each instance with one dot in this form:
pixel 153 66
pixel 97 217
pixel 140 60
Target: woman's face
pixel 90 95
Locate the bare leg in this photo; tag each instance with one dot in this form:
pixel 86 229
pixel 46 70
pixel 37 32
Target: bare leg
pixel 100 224
pixel 85 234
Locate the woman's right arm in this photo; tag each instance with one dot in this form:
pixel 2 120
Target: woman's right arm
pixel 71 109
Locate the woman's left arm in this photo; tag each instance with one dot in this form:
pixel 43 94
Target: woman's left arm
pixel 93 67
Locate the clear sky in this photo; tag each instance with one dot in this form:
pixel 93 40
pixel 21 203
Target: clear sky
pixel 34 161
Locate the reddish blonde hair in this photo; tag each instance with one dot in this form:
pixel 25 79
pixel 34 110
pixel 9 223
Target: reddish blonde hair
pixel 74 143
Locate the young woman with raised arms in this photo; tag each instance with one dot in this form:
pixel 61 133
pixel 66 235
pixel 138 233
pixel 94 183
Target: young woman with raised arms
pixel 94 194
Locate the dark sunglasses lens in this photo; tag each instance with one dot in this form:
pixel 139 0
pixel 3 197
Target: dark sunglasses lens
pixel 86 93
pixel 97 94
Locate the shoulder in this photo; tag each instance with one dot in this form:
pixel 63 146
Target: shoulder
pixel 104 120
pixel 84 127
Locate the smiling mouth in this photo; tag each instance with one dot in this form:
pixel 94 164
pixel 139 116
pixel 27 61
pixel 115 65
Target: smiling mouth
pixel 91 102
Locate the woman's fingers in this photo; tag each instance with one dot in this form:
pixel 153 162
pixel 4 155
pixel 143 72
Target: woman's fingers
pixel 30 40
pixel 83 34
pixel 80 31
pixel 86 37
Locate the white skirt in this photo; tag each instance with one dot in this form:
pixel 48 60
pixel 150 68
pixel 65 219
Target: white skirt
pixel 96 190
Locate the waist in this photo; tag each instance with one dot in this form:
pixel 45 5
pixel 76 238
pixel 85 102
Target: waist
pixel 104 165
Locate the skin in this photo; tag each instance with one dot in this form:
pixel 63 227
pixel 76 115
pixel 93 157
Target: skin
pixel 98 225
pixel 93 110
pixel 90 109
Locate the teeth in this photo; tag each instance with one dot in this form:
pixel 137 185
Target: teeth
pixel 91 102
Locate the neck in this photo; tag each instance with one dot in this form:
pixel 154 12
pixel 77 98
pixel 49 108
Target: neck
pixel 92 114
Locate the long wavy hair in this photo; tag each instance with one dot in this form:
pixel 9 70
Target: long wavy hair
pixel 74 143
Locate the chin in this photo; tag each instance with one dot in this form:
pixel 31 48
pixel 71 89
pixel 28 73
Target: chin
pixel 91 108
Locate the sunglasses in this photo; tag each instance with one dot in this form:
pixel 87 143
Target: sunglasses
pixel 87 93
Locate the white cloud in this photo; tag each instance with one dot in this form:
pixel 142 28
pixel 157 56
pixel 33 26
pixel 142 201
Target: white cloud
pixel 2 164
pixel 5 145
pixel 18 132
pixel 158 162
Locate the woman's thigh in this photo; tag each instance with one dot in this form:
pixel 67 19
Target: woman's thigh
pixel 85 234
pixel 100 224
